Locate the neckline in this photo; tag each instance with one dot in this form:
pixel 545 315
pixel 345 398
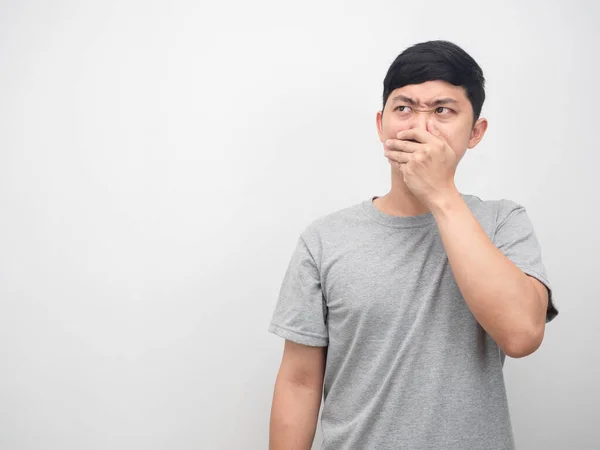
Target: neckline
pixel 396 221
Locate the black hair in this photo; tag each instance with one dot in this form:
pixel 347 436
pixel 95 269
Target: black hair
pixel 437 60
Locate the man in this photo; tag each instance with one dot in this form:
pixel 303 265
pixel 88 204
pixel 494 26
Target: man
pixel 401 309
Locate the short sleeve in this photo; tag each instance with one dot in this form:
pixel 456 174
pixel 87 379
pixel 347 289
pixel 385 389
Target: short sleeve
pixel 300 314
pixel 516 238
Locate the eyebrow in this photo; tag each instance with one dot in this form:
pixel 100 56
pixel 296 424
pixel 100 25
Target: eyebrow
pixel 440 101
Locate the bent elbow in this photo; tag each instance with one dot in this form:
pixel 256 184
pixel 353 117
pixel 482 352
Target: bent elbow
pixel 524 345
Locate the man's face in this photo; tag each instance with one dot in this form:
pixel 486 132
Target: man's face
pixel 449 108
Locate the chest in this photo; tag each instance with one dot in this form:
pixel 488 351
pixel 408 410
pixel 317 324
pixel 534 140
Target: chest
pixel 395 278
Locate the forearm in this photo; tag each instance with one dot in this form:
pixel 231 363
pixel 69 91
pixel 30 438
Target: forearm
pixel 294 415
pixel 500 296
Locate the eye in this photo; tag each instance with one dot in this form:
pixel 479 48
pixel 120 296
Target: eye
pixel 398 108
pixel 440 110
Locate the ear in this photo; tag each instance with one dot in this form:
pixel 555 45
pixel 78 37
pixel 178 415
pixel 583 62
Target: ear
pixel 477 133
pixel 379 122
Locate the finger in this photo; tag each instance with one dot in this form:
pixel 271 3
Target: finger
pixel 402 146
pixel 433 129
pixel 416 134
pixel 397 157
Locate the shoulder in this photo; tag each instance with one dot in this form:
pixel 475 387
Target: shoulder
pixel 494 210
pixel 332 226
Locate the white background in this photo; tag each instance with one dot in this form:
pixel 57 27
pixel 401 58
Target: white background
pixel 158 161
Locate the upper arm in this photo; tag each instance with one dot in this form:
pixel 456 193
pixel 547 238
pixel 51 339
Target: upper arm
pixel 300 317
pixel 542 294
pixel 303 364
pixel 300 314
pixel 516 238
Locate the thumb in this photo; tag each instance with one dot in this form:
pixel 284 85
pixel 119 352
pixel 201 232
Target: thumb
pixel 432 129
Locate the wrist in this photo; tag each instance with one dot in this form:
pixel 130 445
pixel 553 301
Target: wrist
pixel 447 201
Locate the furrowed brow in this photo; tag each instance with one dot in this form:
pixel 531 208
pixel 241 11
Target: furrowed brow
pixel 442 101
pixel 405 99
pixel 412 102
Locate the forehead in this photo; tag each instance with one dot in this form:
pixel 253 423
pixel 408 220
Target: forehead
pixel 432 90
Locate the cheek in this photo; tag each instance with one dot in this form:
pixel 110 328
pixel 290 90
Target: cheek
pixel 391 128
pixel 448 134
pixel 457 139
pixel 450 139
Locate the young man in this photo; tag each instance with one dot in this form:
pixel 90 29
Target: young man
pixel 401 309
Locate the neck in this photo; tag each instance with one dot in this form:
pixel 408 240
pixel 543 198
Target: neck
pixel 400 201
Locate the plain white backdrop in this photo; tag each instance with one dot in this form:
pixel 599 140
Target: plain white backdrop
pixel 158 161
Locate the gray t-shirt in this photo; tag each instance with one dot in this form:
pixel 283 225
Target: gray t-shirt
pixel 408 366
